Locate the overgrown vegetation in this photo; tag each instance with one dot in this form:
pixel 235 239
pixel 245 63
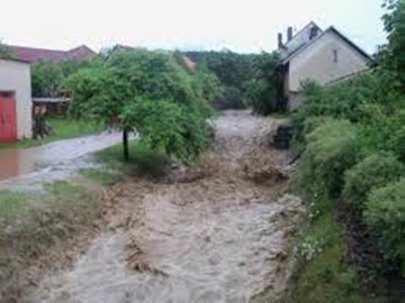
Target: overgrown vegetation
pixel 248 80
pixel 351 138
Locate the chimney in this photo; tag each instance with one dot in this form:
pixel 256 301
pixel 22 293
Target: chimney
pixel 280 41
pixel 289 33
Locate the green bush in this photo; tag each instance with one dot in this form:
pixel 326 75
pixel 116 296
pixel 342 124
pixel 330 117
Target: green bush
pixel 355 100
pixel 397 143
pixel 374 171
pixel 231 98
pixel 385 214
pixel 331 149
pixel 264 92
pixel 308 125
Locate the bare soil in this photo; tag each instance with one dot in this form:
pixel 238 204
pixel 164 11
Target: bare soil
pixel 218 232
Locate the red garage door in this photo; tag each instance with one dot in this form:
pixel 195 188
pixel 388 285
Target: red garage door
pixel 8 121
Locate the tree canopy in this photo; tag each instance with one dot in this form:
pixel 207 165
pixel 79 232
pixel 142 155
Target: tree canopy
pixel 148 91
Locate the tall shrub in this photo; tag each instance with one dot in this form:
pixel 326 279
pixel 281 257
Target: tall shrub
pixel 385 214
pixel 331 149
pixel 376 170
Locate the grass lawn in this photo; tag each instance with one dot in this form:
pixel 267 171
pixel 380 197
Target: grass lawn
pixel 63 128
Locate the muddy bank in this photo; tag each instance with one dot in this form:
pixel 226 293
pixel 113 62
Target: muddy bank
pixel 221 238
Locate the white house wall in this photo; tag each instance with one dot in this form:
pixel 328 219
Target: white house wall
pixel 16 76
pixel 317 63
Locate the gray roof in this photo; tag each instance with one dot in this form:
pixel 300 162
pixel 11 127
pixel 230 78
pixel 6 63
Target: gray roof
pixel 304 46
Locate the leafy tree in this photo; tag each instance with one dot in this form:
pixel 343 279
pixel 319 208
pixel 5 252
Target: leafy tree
pixel 151 93
pixel 394 24
pixel 48 77
pixel 5 52
pixel 265 90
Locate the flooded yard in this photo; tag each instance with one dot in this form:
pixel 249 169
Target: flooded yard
pixel 53 161
pixel 221 238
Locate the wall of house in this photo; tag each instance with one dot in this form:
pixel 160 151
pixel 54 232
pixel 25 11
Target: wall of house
pixel 317 62
pixel 16 76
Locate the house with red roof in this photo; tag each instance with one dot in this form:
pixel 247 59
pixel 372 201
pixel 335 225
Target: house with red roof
pixel 32 55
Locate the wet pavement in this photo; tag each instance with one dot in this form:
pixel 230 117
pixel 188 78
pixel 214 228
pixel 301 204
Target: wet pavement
pixel 50 162
pixel 220 239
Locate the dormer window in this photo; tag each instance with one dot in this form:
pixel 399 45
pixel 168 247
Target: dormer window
pixel 313 33
pixel 335 56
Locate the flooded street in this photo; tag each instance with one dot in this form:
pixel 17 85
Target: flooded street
pixel 53 161
pixel 221 238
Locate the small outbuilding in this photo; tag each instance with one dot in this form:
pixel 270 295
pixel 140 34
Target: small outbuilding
pixel 15 100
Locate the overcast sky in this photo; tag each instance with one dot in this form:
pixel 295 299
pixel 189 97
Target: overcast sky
pixel 243 26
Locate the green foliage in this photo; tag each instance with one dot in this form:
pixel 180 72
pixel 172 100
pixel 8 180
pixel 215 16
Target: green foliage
pixel 374 171
pixel 247 79
pixel 393 54
pixel 325 278
pixel 152 94
pixel 5 52
pixel 48 77
pixel 385 214
pixel 207 85
pixel 158 125
pixel 349 99
pixel 331 149
pixel 368 164
pixel 232 69
pixel 265 90
pixel 231 98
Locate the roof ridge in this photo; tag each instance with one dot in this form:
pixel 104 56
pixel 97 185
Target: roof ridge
pixel 330 28
pixel 304 28
pixel 37 48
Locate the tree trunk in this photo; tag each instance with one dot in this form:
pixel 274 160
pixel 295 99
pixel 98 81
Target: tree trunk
pixel 125 144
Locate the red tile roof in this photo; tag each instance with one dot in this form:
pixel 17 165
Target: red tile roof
pixel 29 54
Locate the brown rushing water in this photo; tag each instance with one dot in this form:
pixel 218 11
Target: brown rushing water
pixel 49 162
pixel 218 239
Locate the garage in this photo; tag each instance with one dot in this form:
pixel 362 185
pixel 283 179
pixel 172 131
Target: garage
pixel 15 100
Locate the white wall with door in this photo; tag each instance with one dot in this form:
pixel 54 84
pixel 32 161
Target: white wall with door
pixel 15 86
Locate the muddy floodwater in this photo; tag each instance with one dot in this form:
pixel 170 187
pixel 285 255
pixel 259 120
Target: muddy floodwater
pixel 24 167
pixel 221 238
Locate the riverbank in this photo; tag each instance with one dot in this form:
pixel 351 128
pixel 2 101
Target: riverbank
pixel 218 231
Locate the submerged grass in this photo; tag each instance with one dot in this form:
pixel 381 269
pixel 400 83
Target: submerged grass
pixel 103 175
pixel 143 161
pixel 63 128
pixel 33 224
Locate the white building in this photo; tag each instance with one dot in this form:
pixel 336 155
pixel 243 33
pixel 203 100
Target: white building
pixel 323 56
pixel 15 100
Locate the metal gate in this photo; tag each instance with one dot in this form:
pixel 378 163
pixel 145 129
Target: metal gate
pixel 8 117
